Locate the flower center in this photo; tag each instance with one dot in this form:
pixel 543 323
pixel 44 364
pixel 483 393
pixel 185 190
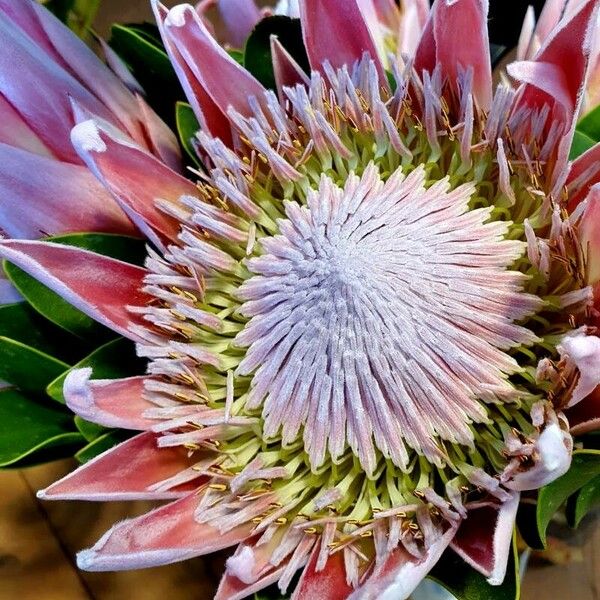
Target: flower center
pixel 379 316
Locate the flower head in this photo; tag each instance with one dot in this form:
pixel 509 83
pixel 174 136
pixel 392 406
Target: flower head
pixel 364 320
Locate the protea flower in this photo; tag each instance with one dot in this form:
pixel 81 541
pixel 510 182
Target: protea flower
pixel 364 321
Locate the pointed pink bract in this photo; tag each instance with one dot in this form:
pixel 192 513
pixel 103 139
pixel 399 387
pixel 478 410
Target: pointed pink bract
pixel 550 16
pixel 583 174
pixel 401 573
pixel 261 572
pixel 337 32
pixel 484 538
pixel 135 178
pixel 585 416
pixel 42 196
pixel 589 234
pixel 165 535
pixel 14 131
pixel 567 50
pixel 125 472
pixel 99 286
pixel 227 83
pixel 163 147
pixel 43 96
pixel 287 71
pixel 446 43
pixel 327 584
pixel 58 44
pixel 108 402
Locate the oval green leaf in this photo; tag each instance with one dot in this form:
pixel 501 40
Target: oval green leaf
pixel 122 247
pixel 149 31
pixel 590 125
pixel 587 134
pixel 90 431
pixel 27 368
pixel 583 501
pixel 581 143
pixel 21 323
pixel 51 305
pixel 33 431
pixel 237 55
pixel 145 56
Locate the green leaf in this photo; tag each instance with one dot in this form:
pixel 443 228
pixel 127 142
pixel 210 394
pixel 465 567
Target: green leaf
pixel 584 467
pixel 31 430
pixel 90 431
pixel 590 125
pixel 138 47
pixel 587 134
pixel 51 305
pixel 21 323
pixel 59 311
pixel 113 360
pixel 101 444
pixel 581 143
pixel 187 127
pixel 145 55
pixel 257 55
pixel 149 31
pixel 461 580
pixel 27 368
pixel 580 503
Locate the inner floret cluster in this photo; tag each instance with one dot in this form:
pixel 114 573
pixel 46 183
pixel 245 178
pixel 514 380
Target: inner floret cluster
pixel 368 311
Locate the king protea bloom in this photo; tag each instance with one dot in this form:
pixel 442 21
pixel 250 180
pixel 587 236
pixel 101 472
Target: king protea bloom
pixel 365 320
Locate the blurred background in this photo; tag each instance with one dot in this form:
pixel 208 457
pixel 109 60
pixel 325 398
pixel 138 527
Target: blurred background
pixel 39 540
pixel 125 11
